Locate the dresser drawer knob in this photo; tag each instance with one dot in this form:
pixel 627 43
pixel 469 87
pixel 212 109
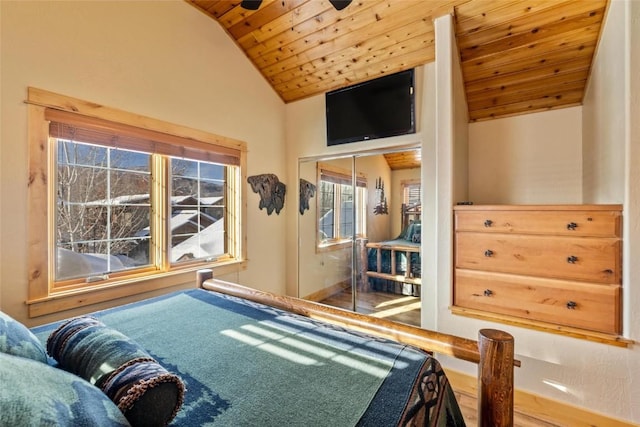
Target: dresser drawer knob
pixel 488 223
pixel 572 226
pixel 571 305
pixel 572 259
pixel 608 271
pixel 488 292
pixel 488 253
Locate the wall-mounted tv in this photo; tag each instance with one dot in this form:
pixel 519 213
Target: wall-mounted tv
pixel 377 108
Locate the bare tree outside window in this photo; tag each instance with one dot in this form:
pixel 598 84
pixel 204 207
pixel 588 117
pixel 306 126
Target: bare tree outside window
pixel 102 203
pixel 103 210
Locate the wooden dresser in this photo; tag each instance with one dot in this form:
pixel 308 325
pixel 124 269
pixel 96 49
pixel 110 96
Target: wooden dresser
pixel 555 265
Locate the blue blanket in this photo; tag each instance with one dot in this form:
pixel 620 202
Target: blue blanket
pixel 248 364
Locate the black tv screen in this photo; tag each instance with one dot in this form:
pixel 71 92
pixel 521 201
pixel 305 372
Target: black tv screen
pixel 377 108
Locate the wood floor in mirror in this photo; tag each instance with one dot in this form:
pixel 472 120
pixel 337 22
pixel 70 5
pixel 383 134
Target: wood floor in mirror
pixel 399 308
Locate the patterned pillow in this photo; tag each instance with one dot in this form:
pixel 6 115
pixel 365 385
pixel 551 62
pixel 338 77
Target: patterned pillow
pixel 36 394
pixel 86 347
pixel 18 340
pixel 145 392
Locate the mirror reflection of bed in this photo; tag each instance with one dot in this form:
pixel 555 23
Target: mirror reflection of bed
pixel 389 279
pixel 381 273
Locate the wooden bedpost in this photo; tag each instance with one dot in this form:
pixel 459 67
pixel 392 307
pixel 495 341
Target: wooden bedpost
pixel 202 275
pixel 495 378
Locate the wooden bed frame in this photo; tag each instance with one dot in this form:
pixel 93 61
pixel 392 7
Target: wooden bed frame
pixel 410 213
pixel 493 352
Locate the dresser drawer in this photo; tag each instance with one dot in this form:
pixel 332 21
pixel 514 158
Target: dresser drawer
pixel 572 258
pixel 569 223
pixel 580 305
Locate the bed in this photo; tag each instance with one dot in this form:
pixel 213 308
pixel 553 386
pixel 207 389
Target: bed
pixel 231 355
pixel 394 265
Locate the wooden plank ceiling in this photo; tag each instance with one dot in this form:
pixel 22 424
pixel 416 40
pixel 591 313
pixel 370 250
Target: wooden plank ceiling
pixel 517 56
pixel 409 159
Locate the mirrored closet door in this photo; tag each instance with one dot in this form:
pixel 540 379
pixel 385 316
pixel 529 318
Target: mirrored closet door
pixel 359 233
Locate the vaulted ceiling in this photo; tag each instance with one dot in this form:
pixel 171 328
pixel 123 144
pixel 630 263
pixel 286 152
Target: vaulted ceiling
pixel 517 56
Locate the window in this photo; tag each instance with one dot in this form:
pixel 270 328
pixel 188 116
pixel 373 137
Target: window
pixel 102 207
pixel 197 210
pixel 336 200
pixel 125 203
pixel 411 193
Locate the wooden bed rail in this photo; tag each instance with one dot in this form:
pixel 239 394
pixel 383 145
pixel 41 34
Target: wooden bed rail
pixel 493 352
pixel 407 277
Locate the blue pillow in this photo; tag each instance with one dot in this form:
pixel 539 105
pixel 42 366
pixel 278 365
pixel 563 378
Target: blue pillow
pixel 146 393
pixel 37 394
pixel 416 236
pixel 411 230
pixel 18 340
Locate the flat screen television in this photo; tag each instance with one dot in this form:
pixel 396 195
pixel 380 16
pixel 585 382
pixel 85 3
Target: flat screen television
pixel 378 108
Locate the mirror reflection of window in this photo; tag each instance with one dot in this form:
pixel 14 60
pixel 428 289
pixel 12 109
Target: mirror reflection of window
pixel 411 193
pixel 335 205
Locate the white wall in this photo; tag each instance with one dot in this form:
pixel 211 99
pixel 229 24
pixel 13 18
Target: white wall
pixel 437 239
pixel 164 60
pixel 612 151
pixel 603 124
pixel 537 158
pixel 527 159
pixel 607 145
pixel 430 197
pixel 1 198
pixel 631 223
pixel 460 131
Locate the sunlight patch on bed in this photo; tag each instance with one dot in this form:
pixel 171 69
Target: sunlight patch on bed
pixel 376 366
pixel 292 342
pixel 381 353
pixel 361 365
pixel 270 348
pixel 276 343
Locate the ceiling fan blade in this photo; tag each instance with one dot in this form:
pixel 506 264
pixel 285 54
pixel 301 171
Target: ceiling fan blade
pixel 250 4
pixel 340 4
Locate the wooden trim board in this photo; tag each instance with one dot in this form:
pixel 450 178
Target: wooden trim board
pixel 540 408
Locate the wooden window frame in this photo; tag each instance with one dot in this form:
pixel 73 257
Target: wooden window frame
pixel 43 297
pixel 324 169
